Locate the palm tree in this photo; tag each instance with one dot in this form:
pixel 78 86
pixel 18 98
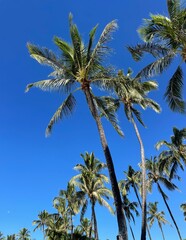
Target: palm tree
pixel 91 181
pixel 133 179
pixel 129 208
pixel 84 227
pixel 154 215
pixel 183 208
pixel 172 158
pixel 44 217
pixel 73 200
pixel 131 91
pixel 24 234
pixel 11 237
pixel 164 38
pixel 82 66
pixel 157 176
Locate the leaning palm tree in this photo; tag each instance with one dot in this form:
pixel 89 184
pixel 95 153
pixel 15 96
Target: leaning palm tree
pixel 157 176
pixel 173 157
pixel 73 201
pixel 130 92
pixel 41 223
pixel 24 234
pixel 154 215
pixel 79 68
pixel 164 38
pixel 91 181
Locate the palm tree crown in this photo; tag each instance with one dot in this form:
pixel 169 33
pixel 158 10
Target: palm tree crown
pixel 164 38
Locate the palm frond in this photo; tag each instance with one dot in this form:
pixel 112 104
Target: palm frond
pixel 91 40
pixel 156 50
pixel 65 109
pixel 101 49
pixel 52 85
pixel 173 8
pixel 44 56
pixel 138 115
pixel 157 67
pixel 107 107
pixel 173 94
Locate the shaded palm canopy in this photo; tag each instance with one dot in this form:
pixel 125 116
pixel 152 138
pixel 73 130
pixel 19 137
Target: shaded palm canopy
pixel 165 39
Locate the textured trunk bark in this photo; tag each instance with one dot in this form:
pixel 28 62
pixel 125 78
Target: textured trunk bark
pixel 144 214
pixel 95 222
pixel 168 208
pixel 122 227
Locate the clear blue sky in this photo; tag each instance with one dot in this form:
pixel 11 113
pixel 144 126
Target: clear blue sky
pixel 35 168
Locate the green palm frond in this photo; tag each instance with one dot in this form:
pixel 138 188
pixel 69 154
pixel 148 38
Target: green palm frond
pixel 65 109
pixel 91 40
pixel 44 56
pixel 173 94
pixel 108 107
pixel 173 8
pixel 52 85
pixel 148 102
pixel 101 49
pixel 157 67
pixel 138 115
pixel 161 143
pixel 155 49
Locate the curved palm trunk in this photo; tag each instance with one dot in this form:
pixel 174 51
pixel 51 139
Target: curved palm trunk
pixel 122 227
pixel 160 226
pixel 168 208
pixel 144 214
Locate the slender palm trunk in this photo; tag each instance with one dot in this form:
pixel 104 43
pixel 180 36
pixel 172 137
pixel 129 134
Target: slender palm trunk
pixel 94 222
pixel 137 196
pixel 122 227
pixel 168 208
pixel 144 214
pixel 91 224
pixel 160 226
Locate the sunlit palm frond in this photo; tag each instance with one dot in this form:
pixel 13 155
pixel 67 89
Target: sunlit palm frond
pixel 65 109
pixel 44 56
pixel 101 49
pixel 90 44
pixel 173 94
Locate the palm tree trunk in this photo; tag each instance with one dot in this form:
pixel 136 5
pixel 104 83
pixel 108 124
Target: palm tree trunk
pixel 137 196
pixel 144 214
pixel 168 208
pixel 122 226
pixel 95 222
pixel 160 226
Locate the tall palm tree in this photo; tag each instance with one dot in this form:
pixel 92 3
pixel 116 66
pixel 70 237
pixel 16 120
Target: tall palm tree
pixel 157 176
pixel 11 237
pixel 41 223
pixel 91 181
pixel 172 158
pixel 129 208
pixel 130 92
pixel 82 66
pixel 73 200
pixel 24 234
pixel 154 215
pixel 164 38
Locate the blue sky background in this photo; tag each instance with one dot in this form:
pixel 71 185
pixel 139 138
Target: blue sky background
pixel 35 168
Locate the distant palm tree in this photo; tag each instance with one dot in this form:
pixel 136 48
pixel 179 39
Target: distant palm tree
pixel 91 181
pixel 156 176
pixel 42 222
pixel 164 38
pixel 172 158
pixel 73 200
pixel 183 208
pixel 129 208
pixel 154 215
pixel 11 237
pixel 24 234
pixel 79 68
pixel 130 92
pixel 84 227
